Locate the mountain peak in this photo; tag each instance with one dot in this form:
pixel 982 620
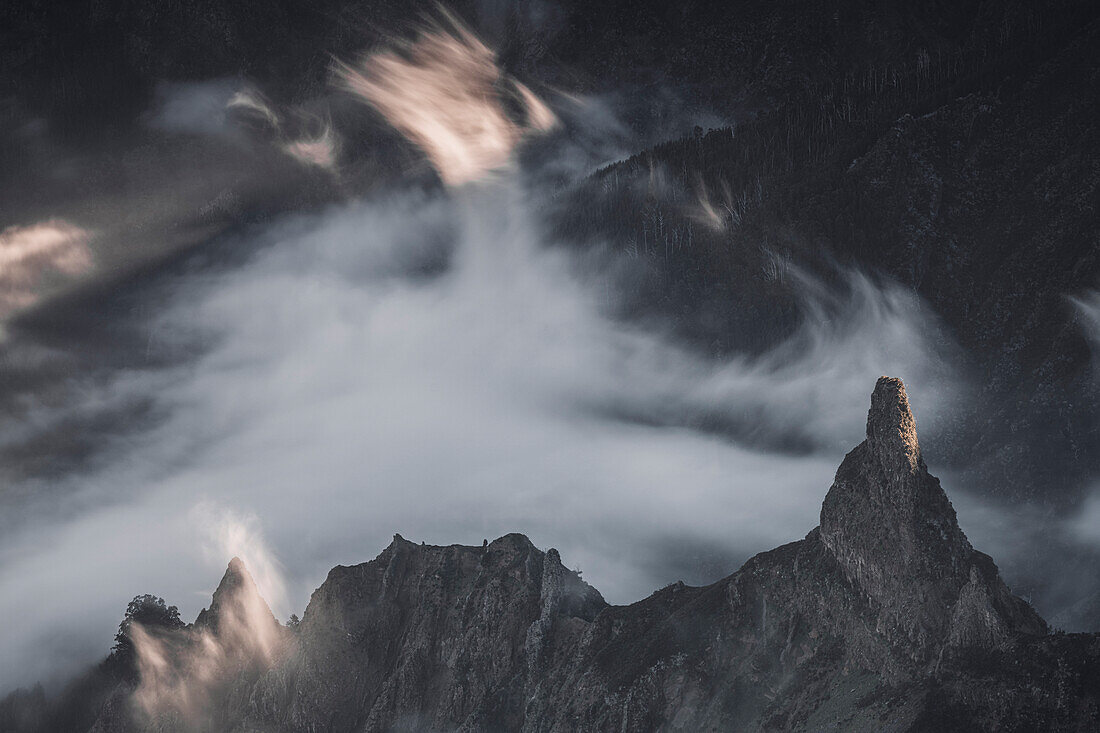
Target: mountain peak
pixel 883 482
pixel 236 598
pixel 895 535
pixel 236 578
pixel 891 429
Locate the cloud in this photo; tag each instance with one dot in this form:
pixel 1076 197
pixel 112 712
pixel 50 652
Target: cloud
pixel 251 102
pixel 218 107
pixel 424 363
pixel 31 255
pixel 180 670
pixel 444 92
pixel 1088 308
pixel 427 363
pixel 232 535
pixel 319 149
pixel 1086 525
pixel 194 107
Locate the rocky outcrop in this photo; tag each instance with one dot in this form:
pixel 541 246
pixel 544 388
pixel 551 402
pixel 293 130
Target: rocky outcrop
pixel 895 535
pixel 882 618
pixel 199 677
pixel 427 638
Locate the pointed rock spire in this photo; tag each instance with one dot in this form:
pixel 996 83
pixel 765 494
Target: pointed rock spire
pixel 891 429
pixel 236 602
pixel 895 535
pixel 885 515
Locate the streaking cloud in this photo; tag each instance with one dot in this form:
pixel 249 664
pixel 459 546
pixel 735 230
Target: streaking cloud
pixel 31 256
pixel 180 670
pixel 318 151
pixel 1088 310
pixel 250 102
pixel 230 534
pixel 318 148
pixel 716 213
pixel 443 91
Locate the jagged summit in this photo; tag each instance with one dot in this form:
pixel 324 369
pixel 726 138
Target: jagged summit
pixel 884 508
pixel 895 535
pixel 882 618
pixel 236 596
pixel 891 429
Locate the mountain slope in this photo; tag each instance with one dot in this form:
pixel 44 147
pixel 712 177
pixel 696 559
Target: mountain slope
pixel 974 184
pixel 883 618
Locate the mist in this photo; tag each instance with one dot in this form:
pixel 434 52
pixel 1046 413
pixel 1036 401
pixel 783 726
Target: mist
pixel 428 361
pixel 424 363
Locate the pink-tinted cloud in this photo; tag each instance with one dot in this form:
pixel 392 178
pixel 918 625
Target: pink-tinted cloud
pixel 443 92
pixel 180 670
pixel 318 151
pixel 32 256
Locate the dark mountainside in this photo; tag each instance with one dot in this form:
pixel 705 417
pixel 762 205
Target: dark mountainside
pixel 949 147
pixel 883 618
pixel 961 164
pixel 952 150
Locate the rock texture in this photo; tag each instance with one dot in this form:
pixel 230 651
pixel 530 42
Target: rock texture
pixel 903 157
pixel 884 618
pixel 894 533
pixel 198 678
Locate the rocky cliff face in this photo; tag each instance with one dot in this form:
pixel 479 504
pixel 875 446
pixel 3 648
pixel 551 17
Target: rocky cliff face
pixel 895 536
pixel 198 677
pixel 882 618
pixel 438 637
pixel 923 179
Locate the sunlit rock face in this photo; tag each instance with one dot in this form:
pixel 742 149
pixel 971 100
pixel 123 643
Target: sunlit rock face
pixel 894 533
pixel 883 618
pixel 191 679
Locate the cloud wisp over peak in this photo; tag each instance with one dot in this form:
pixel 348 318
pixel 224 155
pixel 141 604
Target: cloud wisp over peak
pixel 428 362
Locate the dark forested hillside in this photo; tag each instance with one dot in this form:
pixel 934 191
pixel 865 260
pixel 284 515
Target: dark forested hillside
pixel 967 174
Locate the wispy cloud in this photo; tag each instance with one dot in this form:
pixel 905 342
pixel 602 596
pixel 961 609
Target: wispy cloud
pixel 428 363
pixel 30 256
pixel 445 92
pixel 319 149
pixel 1088 308
pixel 180 671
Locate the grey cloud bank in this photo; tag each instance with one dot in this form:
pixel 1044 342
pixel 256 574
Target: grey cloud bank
pixel 424 364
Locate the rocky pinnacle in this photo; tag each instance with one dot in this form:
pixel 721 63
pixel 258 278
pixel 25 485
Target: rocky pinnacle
pixel 893 531
pixel 891 429
pixel 883 618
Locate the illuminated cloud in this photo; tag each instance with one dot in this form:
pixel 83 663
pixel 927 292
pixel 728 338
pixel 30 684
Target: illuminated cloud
pixel 229 534
pixel 319 151
pixel 253 103
pixel 716 214
pixel 443 92
pixel 31 256
pixel 180 670
pixel 539 116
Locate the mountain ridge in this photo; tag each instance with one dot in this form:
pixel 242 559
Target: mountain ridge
pixel 883 617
